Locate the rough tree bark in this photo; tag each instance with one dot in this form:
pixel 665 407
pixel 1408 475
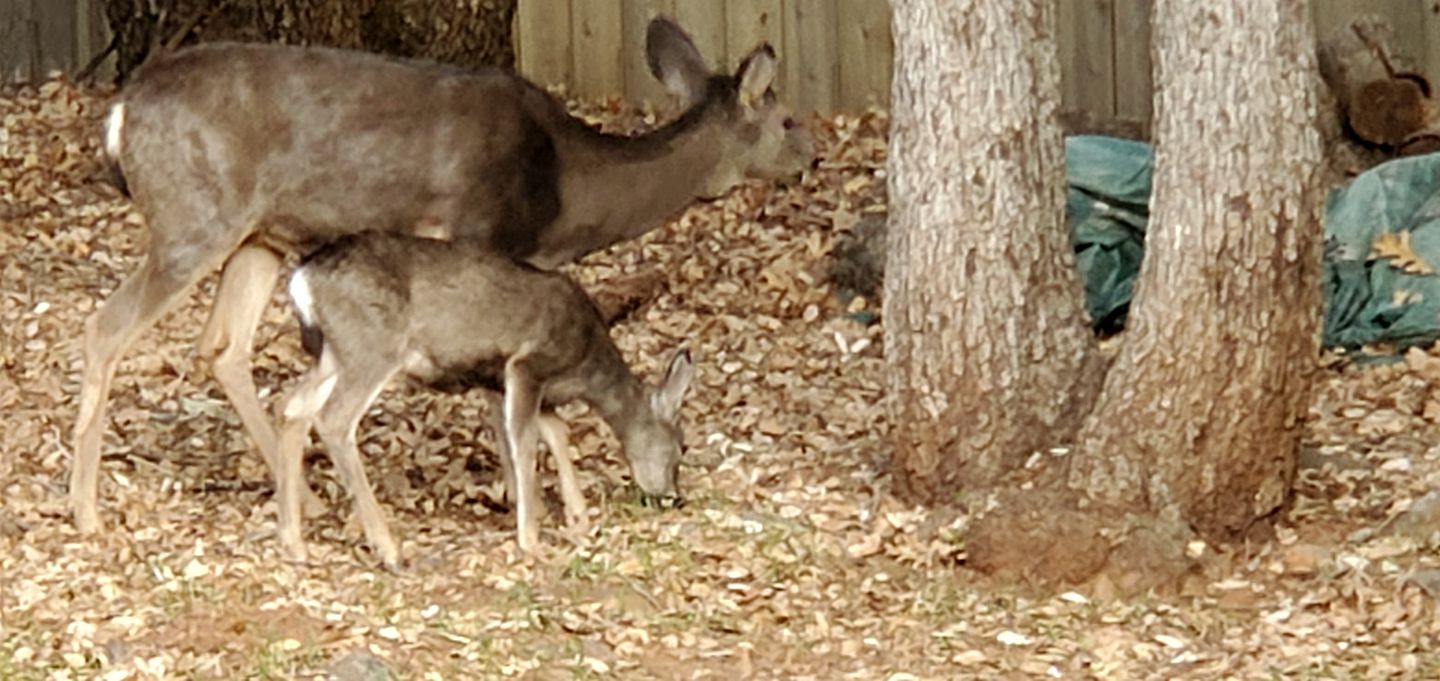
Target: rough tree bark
pixel 470 33
pixel 1201 415
pixel 985 330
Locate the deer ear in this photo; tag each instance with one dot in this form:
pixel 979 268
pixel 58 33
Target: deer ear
pixel 674 60
pixel 668 395
pixel 756 74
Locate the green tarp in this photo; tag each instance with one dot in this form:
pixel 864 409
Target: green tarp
pixel 1365 301
pixel 1107 205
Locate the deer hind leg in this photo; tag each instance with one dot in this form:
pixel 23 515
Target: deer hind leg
pixel 164 278
pixel 557 439
pixel 338 417
pixel 521 411
pixel 507 464
pixel 246 285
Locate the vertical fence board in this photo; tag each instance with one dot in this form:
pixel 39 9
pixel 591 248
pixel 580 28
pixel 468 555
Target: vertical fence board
pixel 704 20
pixel 751 22
pixel 1087 74
pixel 640 85
pixel 92 36
pixel 56 33
pixel 810 55
pixel 1133 86
pixel 865 47
pixel 1332 14
pixel 1416 25
pixel 595 26
pixel 1430 60
pixel 542 42
pixel 1408 18
pixel 17 32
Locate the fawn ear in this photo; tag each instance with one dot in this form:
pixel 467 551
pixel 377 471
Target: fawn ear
pixel 675 61
pixel 668 395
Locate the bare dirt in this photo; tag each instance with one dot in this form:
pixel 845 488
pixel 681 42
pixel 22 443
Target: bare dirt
pixel 792 560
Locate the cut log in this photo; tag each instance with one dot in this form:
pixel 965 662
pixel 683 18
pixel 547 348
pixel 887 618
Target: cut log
pixel 1382 100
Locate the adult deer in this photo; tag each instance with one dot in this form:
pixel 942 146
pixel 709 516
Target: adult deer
pixel 238 154
pixel 457 316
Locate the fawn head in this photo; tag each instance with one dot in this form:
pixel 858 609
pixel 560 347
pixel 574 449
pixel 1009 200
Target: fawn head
pixel 654 442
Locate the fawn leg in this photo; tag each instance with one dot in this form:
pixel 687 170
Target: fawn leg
pixel 297 418
pixel 507 467
pixel 352 395
pixel 520 412
pixel 557 439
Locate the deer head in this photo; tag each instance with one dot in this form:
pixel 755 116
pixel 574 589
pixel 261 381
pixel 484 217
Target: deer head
pixel 760 138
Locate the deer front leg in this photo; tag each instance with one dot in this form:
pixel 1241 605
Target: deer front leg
pixel 227 341
pixel 520 412
pixel 557 439
pixel 507 467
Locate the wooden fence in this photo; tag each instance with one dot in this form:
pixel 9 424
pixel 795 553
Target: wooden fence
pixel 835 54
pixel 39 36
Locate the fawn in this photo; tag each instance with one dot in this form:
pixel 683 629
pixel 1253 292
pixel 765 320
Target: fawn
pixel 456 316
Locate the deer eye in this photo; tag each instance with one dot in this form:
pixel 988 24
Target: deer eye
pixel 790 122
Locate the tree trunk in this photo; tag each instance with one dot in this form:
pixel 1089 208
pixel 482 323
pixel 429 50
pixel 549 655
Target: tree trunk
pixel 463 33
pixel 1203 410
pixel 985 330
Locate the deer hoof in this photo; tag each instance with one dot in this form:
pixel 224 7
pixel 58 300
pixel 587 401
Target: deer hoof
pixel 577 517
pixel 310 505
pixel 387 552
pixel 87 521
pixel 529 540
pixel 295 551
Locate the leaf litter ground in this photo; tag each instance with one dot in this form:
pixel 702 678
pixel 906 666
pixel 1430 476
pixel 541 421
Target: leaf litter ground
pixel 792 560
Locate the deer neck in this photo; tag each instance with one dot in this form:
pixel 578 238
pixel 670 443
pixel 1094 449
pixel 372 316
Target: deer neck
pixel 618 188
pixel 615 394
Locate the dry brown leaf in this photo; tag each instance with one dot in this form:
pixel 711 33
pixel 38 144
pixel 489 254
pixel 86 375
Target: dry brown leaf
pixel 1395 247
pixel 787 462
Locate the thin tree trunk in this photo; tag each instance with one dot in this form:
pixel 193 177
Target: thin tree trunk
pixel 1202 412
pixel 985 331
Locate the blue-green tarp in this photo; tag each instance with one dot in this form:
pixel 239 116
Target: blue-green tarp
pixel 1366 301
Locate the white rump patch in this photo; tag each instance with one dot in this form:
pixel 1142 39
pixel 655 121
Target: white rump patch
pixel 113 126
pixel 300 293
